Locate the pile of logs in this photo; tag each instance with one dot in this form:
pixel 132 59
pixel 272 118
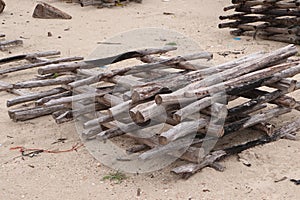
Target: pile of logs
pixel 196 105
pixel 103 3
pixel 277 20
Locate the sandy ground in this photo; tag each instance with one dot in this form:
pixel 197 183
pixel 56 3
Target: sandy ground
pixel 77 175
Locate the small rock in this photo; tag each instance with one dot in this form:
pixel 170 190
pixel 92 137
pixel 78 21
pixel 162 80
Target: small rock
pixel 138 192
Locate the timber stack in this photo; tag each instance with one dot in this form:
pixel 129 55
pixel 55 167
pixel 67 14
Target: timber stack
pixel 277 20
pixel 195 105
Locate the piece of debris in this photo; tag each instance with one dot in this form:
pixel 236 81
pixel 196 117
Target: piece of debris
pixel 168 13
pixel 282 179
pixel 5 45
pixel 34 152
pixel 297 182
pixel 2 6
pixel 46 11
pixel 49 34
pixel 226 53
pixel 245 162
pixel 59 140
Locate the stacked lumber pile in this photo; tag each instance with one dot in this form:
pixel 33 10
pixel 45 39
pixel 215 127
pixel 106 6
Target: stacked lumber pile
pixel 277 20
pixel 196 106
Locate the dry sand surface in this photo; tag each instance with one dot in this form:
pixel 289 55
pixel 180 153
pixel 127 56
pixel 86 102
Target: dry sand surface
pixel 77 175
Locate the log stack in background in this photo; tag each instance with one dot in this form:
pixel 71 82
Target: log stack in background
pixel 103 3
pixel 277 20
pixel 194 104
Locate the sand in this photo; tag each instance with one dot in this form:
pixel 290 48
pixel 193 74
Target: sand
pixel 77 175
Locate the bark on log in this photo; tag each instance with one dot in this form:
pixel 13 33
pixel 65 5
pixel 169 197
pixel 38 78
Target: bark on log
pixel 64 67
pixel 31 97
pixel 48 62
pixel 42 83
pixel 44 100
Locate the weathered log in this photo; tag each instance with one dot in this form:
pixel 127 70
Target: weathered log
pixel 192 108
pixel 181 130
pixel 284 85
pixel 43 100
pixel 46 11
pixel 63 67
pixel 31 97
pixel 31 113
pixel 133 111
pixel 77 97
pixel 5 45
pixel 42 83
pixel 181 65
pixel 48 62
pixel 8 88
pixel 153 111
pixel 125 81
pixel 91 2
pixel 30 57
